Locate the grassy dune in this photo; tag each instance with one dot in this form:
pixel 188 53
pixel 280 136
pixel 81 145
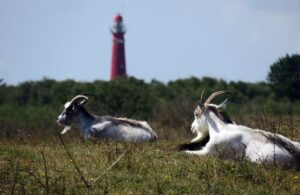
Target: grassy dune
pixel 31 165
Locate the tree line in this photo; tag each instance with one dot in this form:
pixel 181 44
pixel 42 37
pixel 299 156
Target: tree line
pixel 34 105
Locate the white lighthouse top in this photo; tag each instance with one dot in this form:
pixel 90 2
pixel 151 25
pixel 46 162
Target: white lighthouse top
pixel 118 25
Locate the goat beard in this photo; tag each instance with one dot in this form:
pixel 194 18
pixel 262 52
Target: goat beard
pixel 67 128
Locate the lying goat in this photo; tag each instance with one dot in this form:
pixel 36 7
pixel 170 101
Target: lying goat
pixel 220 137
pixel 104 127
pixel 202 135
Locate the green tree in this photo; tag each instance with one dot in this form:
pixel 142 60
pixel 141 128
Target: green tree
pixel 284 77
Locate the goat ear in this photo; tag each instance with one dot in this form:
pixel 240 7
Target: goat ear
pixel 223 104
pixel 82 102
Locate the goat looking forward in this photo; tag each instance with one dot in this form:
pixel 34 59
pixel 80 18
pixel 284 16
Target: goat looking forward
pixel 220 137
pixel 103 127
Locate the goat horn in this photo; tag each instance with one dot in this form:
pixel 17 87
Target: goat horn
pixel 201 98
pixel 88 94
pixel 78 97
pixel 212 96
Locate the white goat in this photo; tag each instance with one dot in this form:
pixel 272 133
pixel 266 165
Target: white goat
pixel 218 136
pixel 103 127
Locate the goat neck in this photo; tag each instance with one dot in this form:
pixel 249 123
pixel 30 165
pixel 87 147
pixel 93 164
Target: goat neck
pixel 85 120
pixel 215 124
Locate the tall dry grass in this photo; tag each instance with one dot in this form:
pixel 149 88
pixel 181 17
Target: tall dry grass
pixel 72 165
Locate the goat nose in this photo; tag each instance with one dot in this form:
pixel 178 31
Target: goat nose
pixel 59 118
pixel 58 121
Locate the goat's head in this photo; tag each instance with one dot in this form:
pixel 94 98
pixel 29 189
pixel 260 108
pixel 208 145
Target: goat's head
pixel 199 124
pixel 70 112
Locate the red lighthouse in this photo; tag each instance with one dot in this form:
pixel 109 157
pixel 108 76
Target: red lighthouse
pixel 118 65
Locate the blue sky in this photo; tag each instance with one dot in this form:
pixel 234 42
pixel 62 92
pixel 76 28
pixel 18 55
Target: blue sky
pixel 165 40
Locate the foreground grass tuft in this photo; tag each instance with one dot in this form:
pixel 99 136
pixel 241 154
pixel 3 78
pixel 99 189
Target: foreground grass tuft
pixel 109 167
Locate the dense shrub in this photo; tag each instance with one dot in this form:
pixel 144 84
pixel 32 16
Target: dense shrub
pixel 33 106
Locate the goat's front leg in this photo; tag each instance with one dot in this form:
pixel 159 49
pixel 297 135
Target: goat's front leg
pixel 198 152
pixel 209 149
pixel 87 133
pixel 199 137
pixel 203 151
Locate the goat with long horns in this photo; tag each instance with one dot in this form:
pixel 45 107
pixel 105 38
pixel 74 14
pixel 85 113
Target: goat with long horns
pixel 103 127
pixel 219 136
